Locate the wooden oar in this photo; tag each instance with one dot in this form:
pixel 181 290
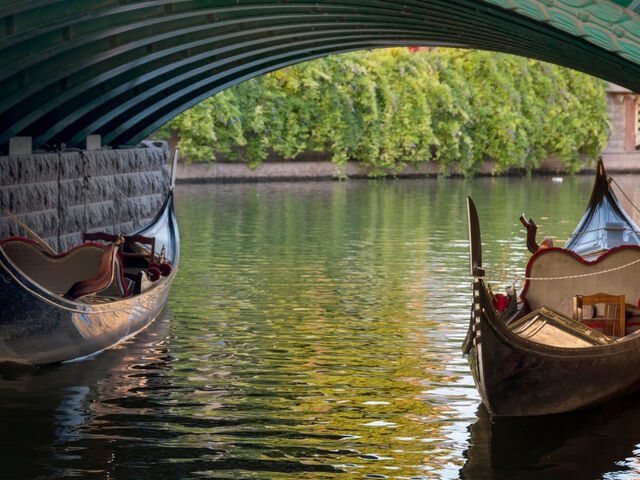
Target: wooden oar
pixel 475 242
pixel 31 233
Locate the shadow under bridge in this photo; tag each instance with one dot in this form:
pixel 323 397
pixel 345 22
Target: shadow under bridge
pixel 122 68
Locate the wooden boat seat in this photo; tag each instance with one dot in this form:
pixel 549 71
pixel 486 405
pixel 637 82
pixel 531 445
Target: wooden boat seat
pixel 613 314
pixel 60 273
pixel 555 276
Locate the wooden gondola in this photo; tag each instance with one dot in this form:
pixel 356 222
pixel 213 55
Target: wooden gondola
pixel 62 307
pixel 549 350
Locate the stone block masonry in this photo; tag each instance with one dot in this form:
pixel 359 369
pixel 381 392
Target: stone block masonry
pixel 60 195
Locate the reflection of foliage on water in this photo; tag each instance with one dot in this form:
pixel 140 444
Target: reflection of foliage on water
pixel 329 316
pixel 315 329
pixel 338 309
pixel 316 314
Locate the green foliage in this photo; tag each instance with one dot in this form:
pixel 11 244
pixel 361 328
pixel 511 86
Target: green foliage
pixel 390 108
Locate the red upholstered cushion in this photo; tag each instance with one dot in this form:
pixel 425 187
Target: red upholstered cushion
pixel 154 273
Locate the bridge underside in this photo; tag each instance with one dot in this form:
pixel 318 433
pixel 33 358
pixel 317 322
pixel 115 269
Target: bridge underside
pixel 122 68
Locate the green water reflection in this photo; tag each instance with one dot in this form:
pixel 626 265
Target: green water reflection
pixel 316 329
pixel 327 317
pixel 314 333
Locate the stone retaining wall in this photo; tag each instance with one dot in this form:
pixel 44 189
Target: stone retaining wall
pixel 325 170
pixel 60 195
pixel 292 170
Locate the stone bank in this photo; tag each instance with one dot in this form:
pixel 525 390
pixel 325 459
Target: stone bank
pixel 60 195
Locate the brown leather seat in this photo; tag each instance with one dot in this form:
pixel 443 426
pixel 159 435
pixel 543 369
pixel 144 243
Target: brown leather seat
pixel 59 273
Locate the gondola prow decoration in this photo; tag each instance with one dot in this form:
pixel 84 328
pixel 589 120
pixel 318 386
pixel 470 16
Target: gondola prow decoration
pixel 174 166
pixel 532 229
pixel 475 261
pixel 475 242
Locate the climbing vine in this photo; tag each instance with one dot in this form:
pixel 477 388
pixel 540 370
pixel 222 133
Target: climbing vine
pixel 390 108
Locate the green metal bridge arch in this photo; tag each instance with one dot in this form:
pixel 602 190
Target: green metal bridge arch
pixel 122 68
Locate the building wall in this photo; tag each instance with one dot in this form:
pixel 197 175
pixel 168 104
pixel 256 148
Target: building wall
pixel 615 107
pixel 622 106
pixel 60 195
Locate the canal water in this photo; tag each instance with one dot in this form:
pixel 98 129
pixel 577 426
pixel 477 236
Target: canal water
pixel 314 332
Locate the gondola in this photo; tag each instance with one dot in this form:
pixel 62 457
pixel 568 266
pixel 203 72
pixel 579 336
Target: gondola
pixel 58 307
pixel 570 339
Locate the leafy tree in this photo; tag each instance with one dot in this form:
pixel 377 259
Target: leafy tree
pixel 390 108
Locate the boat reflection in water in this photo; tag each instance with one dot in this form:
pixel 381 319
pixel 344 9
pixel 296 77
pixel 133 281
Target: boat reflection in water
pixel 75 418
pixel 603 440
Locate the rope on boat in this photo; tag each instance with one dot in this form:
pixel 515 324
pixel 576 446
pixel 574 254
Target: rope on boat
pixel 518 278
pixel 503 276
pixel 625 195
pixel 567 277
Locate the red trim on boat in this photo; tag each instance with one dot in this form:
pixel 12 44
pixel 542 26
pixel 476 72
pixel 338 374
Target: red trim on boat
pixel 20 239
pixel 580 258
pixel 62 254
pixel 57 255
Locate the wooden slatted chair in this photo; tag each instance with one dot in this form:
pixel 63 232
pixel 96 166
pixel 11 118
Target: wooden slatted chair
pixel 613 316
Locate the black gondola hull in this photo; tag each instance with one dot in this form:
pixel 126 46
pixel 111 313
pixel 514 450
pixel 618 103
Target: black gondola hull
pixel 518 377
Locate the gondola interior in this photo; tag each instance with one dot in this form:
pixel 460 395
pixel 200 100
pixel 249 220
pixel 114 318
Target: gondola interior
pixel 590 282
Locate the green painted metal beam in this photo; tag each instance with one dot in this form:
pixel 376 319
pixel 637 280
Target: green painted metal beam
pixel 123 68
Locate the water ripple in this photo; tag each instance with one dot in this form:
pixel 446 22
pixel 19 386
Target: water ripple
pixel 313 333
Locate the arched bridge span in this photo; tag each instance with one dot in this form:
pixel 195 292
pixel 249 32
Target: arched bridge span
pixel 122 68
